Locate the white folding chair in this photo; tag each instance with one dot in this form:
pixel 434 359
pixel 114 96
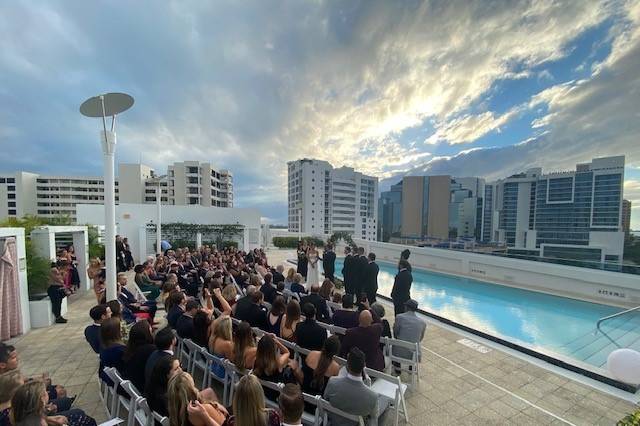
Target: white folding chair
pixel 392 388
pixel 196 358
pixel 214 362
pixel 326 409
pixel 117 400
pixel 410 365
pixel 184 354
pixel 139 411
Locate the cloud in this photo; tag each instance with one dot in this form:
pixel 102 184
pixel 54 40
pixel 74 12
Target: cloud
pixel 470 128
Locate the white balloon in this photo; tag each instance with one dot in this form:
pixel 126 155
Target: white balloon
pixel 624 365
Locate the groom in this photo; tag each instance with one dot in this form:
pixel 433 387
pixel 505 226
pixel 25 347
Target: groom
pixel 329 263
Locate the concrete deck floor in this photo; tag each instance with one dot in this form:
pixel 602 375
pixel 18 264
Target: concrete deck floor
pixel 459 385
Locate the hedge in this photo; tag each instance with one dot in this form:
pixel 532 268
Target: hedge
pixel 292 242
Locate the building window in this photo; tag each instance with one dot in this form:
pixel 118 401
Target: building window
pixel 11 188
pixel 11 196
pixel 192 170
pixel 12 212
pixel 193 201
pixel 11 180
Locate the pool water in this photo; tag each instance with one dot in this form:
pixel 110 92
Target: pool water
pixel 541 321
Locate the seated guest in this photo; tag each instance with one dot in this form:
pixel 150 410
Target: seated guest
pixel 145 283
pixel 347 317
pixel 408 327
pixel 249 406
pixel 274 320
pixel 9 383
pixel 230 293
pixel 290 320
pixel 309 334
pixel 243 306
pixel 322 310
pixel 278 276
pixel 326 290
pixel 29 407
pixel 273 364
pixel 158 382
pixel 124 316
pixel 127 299
pixel 184 325
pixel 139 348
pixel 350 394
pixel 296 285
pixel 365 337
pixel 268 289
pixel 178 302
pixel 379 312
pixel 291 404
pixel 221 342
pixel 257 312
pixel 201 328
pixel 165 342
pixel 244 350
pixel 188 407
pixel 319 366
pixel 112 348
pixel 289 279
pixel 92 332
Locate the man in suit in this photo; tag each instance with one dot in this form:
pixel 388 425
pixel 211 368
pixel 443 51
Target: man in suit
pixel 347 317
pixel 127 299
pixel 322 310
pixel 98 314
pixel 257 312
pixel 347 270
pixel 329 263
pixel 309 334
pixel 408 327
pixel 242 306
pixel 278 274
pixel 184 326
pixel 350 394
pixel 268 289
pixel 371 279
pixel 401 291
pixel 165 342
pixel 405 255
pixel 360 266
pixel 365 337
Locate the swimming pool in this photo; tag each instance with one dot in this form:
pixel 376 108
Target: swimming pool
pixel 542 322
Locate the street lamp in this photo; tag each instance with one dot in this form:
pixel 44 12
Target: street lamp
pixel 159 180
pixel 103 106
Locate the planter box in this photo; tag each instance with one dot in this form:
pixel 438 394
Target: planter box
pixel 40 312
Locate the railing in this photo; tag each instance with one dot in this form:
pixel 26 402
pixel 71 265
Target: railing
pixel 608 317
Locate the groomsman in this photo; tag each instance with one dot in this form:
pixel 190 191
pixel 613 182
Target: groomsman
pixel 347 270
pixel 360 272
pixel 329 263
pixel 371 280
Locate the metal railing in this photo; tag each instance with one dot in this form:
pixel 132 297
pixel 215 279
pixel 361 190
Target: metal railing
pixel 608 317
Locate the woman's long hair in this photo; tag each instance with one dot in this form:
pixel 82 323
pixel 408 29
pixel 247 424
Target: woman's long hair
pixel 156 388
pixel 266 357
pixel 201 323
pixel 180 392
pixel 243 340
pixel 110 333
pixel 27 402
pixel 248 402
pixel 293 313
pixel 330 348
pixel 222 329
pixel 139 335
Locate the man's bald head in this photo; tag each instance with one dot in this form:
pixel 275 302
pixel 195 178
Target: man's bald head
pixel 365 319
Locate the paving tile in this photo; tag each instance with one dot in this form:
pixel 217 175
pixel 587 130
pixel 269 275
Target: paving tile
pixel 504 409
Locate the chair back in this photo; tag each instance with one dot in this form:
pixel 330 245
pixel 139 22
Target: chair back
pixel 215 370
pixel 327 409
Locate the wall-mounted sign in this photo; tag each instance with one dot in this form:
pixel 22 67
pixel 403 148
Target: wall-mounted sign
pixel 22 264
pixel 126 216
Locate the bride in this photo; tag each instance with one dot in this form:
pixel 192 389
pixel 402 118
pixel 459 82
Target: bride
pixel 313 275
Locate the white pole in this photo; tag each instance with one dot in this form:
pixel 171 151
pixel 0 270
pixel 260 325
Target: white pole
pixel 158 223
pixel 108 148
pixel 299 224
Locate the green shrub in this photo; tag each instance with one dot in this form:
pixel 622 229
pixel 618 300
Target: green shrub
pixel 631 419
pixel 37 272
pixel 292 242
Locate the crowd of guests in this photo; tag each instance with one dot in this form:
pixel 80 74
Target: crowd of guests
pixel 202 290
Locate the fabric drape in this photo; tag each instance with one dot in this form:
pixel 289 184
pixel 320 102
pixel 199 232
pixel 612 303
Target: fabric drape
pixel 10 314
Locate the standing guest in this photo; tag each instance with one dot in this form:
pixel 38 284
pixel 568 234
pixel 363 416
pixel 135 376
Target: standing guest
pixel 326 289
pixel 273 364
pixel 139 348
pixel 302 259
pixel 347 317
pixel 322 310
pixel 249 406
pixel 188 407
pixel 274 320
pixel 408 327
pixel 158 382
pixel 177 302
pixel 309 334
pixel 244 351
pixel 401 291
pixel 291 404
pixel 329 263
pixel 93 272
pixel 57 292
pixel 121 263
pixel 319 366
pixel 290 320
pixel 347 270
pixel 365 337
pixel 92 333
pixel 184 325
pixel 360 270
pixel 128 257
pixel 165 342
pixel 291 273
pixel 278 276
pixel 371 278
pixel 404 255
pixel 268 289
pixel 112 349
pixel 350 394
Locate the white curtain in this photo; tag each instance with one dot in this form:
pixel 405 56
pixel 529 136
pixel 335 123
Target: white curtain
pixel 10 316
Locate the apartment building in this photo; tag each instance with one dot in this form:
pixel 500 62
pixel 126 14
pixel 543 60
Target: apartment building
pixel 323 199
pixel 626 217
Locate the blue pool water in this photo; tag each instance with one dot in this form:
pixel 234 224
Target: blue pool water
pixel 541 321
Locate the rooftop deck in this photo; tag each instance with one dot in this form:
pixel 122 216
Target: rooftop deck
pixel 459 384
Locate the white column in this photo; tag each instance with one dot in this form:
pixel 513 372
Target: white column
pixel 81 246
pixel 108 139
pixel 159 221
pixel 44 243
pixel 198 240
pixel 142 243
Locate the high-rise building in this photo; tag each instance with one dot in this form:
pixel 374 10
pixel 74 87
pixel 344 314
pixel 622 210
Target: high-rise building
pixel 47 196
pixel 572 215
pixel 323 199
pixel 390 213
pixel 626 217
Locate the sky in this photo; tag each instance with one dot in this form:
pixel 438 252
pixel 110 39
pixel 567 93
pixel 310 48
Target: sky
pixel 468 88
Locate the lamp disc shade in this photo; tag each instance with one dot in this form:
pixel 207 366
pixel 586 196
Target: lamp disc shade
pixel 114 103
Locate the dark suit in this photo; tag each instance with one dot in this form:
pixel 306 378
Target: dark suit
pixel 257 316
pixel 329 264
pixel 277 277
pixel 92 334
pixel 345 318
pixel 242 308
pixel 172 316
pixel 128 299
pixel 367 339
pixel 152 361
pixel 322 311
pixel 310 335
pixel 347 273
pixel 184 327
pixel 371 281
pixel 360 266
pixel 401 290
pixel 269 292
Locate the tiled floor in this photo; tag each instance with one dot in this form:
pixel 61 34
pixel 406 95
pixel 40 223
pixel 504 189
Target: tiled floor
pixel 458 385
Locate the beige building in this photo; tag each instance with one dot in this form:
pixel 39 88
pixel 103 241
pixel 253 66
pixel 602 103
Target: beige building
pixel 626 217
pixel 425 206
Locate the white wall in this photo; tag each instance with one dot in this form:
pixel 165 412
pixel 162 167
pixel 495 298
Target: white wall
pixel 580 283
pixel 130 218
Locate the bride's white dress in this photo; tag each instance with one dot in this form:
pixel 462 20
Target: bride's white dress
pixel 313 273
